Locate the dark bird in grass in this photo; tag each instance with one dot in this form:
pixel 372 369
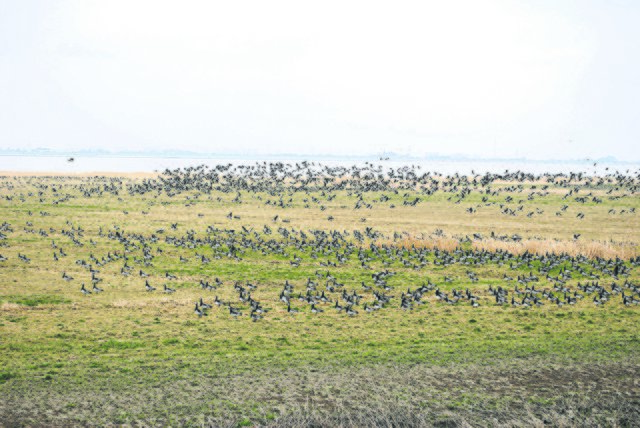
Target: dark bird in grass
pixel 168 290
pixel 84 290
pixel 350 311
pixel 284 298
pixel 199 312
pixel 148 286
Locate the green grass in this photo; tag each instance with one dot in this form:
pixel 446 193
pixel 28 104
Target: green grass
pixel 36 300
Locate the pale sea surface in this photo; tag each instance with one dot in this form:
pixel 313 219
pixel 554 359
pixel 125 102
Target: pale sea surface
pixel 60 164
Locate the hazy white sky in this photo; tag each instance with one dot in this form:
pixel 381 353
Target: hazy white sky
pixel 541 79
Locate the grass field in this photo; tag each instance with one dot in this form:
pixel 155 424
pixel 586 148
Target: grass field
pixel 130 356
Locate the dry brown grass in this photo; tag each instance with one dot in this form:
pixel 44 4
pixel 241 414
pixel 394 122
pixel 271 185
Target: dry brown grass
pixel 441 243
pixel 591 249
pixel 10 307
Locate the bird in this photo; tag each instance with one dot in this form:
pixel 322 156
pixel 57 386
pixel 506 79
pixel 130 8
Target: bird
pixel 351 311
pixel 199 312
pixel 84 290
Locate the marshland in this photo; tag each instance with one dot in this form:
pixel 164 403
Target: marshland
pixel 302 294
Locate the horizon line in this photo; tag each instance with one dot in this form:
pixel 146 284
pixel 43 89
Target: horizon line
pixel 380 157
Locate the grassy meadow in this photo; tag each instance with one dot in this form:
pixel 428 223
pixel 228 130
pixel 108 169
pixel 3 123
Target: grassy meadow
pixel 136 357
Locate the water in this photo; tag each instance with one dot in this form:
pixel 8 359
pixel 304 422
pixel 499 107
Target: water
pixel 86 164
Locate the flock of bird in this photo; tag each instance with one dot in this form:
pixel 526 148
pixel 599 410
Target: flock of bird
pixel 537 280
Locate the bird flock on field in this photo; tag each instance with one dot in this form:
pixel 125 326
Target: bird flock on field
pixel 536 280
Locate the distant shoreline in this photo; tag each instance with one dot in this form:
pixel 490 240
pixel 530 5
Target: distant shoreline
pixel 83 174
pixel 314 158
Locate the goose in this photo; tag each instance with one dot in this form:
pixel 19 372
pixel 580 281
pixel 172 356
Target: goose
pixel 204 305
pixel 284 298
pixel 315 310
pixel 324 298
pixel 234 311
pixel 96 289
pixel 255 307
pixel 199 312
pixel 84 290
pixel 66 277
pixel 148 286
pixel 350 311
pixel 255 317
pixel 168 290
pixel 291 310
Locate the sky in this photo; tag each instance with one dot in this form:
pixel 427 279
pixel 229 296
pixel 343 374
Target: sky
pixel 495 79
